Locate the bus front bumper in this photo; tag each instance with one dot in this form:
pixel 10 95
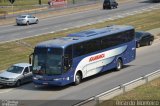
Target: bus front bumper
pixel 54 82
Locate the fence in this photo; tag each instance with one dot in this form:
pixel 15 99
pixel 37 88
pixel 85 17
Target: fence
pixel 96 100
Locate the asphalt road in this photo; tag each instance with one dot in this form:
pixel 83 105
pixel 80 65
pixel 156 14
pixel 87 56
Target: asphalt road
pixel 13 32
pixel 147 61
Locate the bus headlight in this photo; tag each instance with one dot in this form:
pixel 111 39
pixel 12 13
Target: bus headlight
pixel 57 79
pixel 35 78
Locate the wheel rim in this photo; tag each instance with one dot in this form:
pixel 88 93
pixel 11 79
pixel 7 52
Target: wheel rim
pixel 119 64
pixel 77 79
pixel 27 23
pixel 150 42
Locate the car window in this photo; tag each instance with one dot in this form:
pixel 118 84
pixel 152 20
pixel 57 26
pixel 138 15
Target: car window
pixel 32 16
pixel 147 35
pixel 144 37
pixel 26 70
pixel 15 69
pixel 138 35
pixel 29 16
pixel 22 16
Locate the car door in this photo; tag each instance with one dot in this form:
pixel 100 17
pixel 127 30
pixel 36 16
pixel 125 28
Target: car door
pixel 146 39
pixel 30 74
pixel 143 40
pixel 33 19
pixel 30 18
pixel 26 74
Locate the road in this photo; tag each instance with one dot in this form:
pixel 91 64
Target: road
pixel 147 61
pixel 52 24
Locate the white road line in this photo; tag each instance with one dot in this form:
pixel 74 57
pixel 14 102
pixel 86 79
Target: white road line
pixel 52 32
pixel 113 18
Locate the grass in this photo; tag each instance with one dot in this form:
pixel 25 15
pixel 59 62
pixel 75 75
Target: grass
pixel 14 52
pixel 147 92
pixel 150 91
pixel 22 2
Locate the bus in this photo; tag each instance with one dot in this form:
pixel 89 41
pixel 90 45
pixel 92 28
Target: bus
pixel 70 59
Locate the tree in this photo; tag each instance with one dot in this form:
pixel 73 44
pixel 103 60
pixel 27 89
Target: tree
pixel 40 2
pixel 12 1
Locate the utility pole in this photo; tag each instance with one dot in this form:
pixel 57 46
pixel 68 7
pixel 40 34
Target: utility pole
pixel 40 2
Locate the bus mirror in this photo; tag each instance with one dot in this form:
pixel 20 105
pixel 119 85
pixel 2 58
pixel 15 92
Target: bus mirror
pixel 66 61
pixel 30 58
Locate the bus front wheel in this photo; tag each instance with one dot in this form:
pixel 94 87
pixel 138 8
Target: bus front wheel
pixel 119 64
pixel 78 78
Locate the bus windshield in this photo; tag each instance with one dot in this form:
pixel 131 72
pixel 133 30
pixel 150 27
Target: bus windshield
pixel 47 61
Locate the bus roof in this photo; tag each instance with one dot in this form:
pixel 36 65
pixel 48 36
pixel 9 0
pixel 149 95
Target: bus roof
pixel 84 36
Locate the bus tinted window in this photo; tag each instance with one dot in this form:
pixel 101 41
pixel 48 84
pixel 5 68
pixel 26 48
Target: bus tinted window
pixel 92 45
pixel 79 49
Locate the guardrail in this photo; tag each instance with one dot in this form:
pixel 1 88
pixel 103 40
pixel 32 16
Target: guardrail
pixel 95 101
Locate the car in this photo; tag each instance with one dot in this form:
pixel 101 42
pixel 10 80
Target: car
pixel 16 75
pixel 155 1
pixel 26 20
pixel 143 38
pixel 108 4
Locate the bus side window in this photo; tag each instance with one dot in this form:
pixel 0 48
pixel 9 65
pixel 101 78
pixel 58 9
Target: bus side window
pixel 68 58
pixel 79 49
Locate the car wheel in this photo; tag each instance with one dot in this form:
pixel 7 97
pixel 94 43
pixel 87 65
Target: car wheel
pixel 17 24
pixel 78 79
pixel 18 83
pixel 27 23
pixel 37 21
pixel 138 45
pixel 150 42
pixel 119 65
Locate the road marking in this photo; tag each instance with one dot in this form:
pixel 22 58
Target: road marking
pixel 113 18
pixel 52 32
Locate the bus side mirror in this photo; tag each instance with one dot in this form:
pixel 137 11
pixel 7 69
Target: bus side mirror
pixel 66 61
pixel 30 58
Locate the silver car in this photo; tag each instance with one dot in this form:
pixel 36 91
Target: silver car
pixel 16 75
pixel 26 20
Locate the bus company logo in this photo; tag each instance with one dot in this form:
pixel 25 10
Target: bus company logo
pixel 97 57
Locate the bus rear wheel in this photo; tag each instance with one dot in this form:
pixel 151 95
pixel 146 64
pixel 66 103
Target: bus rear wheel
pixel 78 79
pixel 119 65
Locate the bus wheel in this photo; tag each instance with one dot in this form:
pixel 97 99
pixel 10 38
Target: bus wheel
pixel 119 64
pixel 78 79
